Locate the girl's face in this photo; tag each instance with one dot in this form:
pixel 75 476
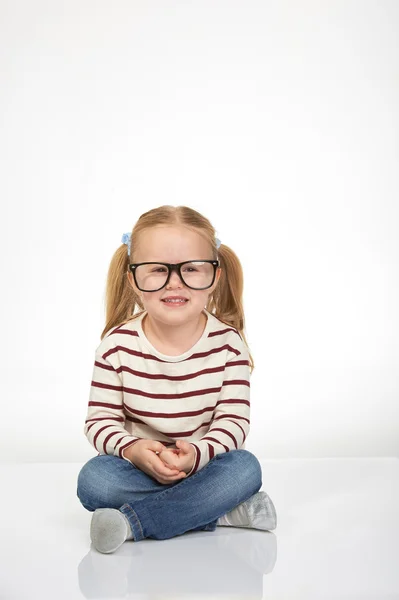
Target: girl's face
pixel 173 244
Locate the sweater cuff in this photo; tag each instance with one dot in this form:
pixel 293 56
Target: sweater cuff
pixel 125 448
pixel 196 460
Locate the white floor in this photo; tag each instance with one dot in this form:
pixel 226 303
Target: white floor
pixel 337 537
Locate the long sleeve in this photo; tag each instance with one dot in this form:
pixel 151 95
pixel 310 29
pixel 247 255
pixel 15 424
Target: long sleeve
pixel 104 425
pixel 231 418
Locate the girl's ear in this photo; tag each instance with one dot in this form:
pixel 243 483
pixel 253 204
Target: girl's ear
pixel 130 279
pixel 135 289
pixel 218 273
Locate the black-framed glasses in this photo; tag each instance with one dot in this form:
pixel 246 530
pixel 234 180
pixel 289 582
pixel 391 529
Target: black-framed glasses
pixel 195 274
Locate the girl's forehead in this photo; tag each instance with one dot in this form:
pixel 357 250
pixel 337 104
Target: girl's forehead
pixel 171 244
pixel 171 239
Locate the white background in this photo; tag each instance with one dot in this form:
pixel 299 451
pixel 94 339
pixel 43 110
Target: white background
pixel 279 122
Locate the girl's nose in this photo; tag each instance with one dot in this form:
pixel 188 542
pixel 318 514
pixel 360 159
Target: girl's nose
pixel 175 278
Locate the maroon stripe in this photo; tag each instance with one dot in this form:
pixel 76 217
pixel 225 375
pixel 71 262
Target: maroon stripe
pixel 221 331
pixel 237 382
pixel 134 333
pixel 130 443
pixel 134 420
pixel 120 439
pixel 174 415
pixel 160 376
pixel 199 392
pixel 106 404
pixel 215 350
pixel 211 451
pixel 107 438
pixel 119 388
pixel 98 433
pixel 132 352
pixel 160 415
pixel 224 415
pixel 100 430
pixel 174 434
pixel 238 425
pixel 111 331
pixel 107 367
pixel 170 377
pixel 233 401
pixel 166 415
pixel 105 418
pixel 94 440
pixel 197 458
pixel 152 357
pixel 106 386
pixel 140 422
pixel 226 431
pixel 235 363
pixel 208 437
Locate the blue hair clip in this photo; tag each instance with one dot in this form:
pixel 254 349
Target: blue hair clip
pixel 218 242
pixel 126 240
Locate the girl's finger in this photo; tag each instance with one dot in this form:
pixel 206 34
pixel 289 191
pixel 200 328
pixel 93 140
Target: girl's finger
pixel 163 469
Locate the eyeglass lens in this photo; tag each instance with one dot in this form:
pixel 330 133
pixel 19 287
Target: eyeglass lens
pixel 195 274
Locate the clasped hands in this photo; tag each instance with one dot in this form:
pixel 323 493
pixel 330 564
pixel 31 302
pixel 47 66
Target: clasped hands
pixel 182 457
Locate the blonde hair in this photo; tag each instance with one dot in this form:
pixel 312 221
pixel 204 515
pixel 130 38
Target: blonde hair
pixel 225 302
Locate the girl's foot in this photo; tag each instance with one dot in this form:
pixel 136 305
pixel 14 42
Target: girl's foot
pixel 109 529
pixel 258 512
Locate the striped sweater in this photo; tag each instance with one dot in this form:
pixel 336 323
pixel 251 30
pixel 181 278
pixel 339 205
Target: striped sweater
pixel 201 396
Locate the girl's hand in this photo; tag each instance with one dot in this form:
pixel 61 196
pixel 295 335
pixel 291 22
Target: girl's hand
pixel 181 458
pixel 144 455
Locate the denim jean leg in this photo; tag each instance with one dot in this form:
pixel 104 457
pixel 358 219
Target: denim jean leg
pixel 107 481
pixel 196 503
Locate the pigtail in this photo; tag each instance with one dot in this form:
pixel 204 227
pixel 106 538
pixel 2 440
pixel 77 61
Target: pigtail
pixel 120 297
pixel 226 300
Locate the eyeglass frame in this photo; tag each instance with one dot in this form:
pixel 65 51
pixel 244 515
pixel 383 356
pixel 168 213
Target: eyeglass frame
pixel 174 267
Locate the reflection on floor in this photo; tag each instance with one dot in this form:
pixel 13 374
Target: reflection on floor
pixel 337 537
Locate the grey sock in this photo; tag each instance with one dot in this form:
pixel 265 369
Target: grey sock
pixel 109 529
pixel 258 512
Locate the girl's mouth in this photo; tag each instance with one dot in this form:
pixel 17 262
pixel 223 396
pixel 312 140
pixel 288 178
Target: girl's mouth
pixel 175 303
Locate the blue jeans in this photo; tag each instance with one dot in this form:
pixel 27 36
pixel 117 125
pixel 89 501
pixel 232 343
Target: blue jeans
pixel 159 511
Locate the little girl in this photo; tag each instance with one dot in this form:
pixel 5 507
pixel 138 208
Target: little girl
pixel 169 407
